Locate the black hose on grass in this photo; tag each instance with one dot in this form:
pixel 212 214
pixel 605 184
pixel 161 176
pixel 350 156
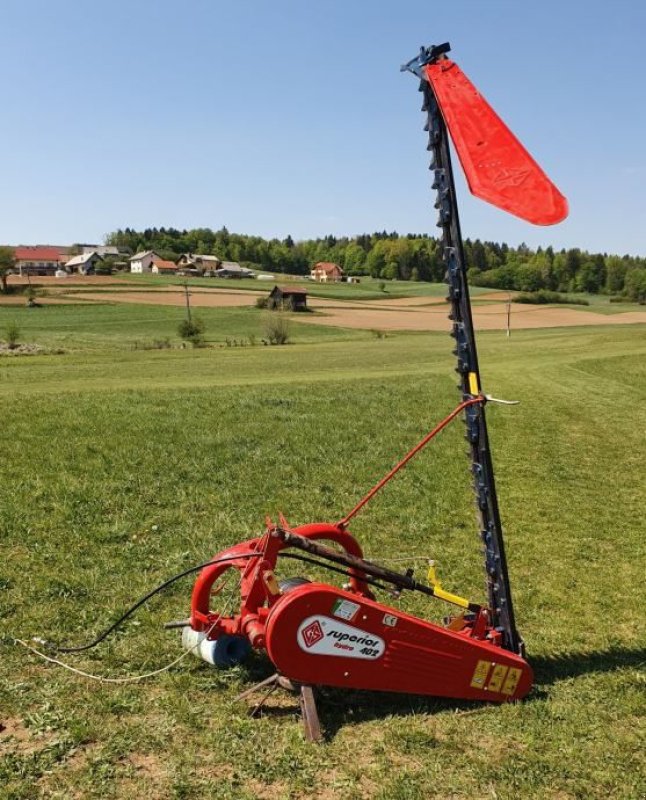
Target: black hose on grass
pixel 165 584
pixel 143 600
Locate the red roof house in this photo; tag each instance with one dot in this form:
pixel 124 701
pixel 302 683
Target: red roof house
pixel 160 266
pixel 326 272
pixel 39 259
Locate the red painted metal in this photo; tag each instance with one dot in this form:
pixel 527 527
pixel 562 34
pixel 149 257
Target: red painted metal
pixel 318 634
pixel 255 599
pixel 498 168
pixel 404 654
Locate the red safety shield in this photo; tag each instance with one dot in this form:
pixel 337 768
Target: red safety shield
pixel 498 169
pixel 321 635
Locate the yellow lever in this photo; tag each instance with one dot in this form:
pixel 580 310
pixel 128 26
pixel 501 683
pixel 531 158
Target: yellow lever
pixel 439 592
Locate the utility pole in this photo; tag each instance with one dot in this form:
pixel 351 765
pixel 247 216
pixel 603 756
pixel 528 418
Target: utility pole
pixel 508 315
pixel 188 301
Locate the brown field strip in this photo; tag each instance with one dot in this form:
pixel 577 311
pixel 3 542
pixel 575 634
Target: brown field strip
pixel 414 314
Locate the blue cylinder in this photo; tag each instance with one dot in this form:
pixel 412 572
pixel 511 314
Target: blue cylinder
pixel 229 651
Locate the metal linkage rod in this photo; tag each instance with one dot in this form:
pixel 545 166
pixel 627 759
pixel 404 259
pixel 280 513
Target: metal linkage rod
pixel 405 581
pixel 419 446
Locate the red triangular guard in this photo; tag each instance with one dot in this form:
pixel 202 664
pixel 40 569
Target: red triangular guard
pixel 498 169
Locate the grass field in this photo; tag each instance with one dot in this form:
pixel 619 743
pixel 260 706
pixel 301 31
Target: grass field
pixel 122 466
pixel 99 327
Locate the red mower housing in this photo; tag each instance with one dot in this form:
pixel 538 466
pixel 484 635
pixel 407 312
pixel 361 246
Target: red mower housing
pixel 319 634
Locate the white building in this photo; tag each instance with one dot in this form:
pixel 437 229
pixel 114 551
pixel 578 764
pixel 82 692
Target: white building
pixel 143 261
pixel 199 262
pixel 104 250
pixel 83 264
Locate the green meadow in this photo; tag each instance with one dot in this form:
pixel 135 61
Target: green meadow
pixel 122 465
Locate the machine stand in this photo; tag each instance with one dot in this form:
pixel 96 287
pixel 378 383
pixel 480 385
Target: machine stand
pixel 307 702
pixel 311 724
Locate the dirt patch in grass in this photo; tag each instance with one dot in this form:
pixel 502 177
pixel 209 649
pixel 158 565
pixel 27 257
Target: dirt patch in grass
pixel 21 300
pixel 16 738
pixel 490 317
pixel 165 297
pixel 401 302
pixel 70 280
pixel 147 764
pixel 24 350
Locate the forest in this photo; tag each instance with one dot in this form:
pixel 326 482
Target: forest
pixel 416 257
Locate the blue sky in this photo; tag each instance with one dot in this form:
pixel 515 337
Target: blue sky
pixel 292 117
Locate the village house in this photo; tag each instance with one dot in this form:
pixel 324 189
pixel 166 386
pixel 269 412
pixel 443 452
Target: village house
pixel 40 259
pixel 288 298
pixel 203 264
pixel 231 269
pixel 161 267
pixel 83 264
pixel 326 272
pixel 143 261
pixel 105 250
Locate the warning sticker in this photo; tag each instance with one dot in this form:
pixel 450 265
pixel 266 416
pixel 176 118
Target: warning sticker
pixel 327 636
pixel 497 677
pixel 480 674
pixel 390 620
pixel 345 609
pixel 511 682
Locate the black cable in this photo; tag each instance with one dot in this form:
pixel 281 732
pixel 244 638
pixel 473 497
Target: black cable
pixel 165 584
pixel 144 599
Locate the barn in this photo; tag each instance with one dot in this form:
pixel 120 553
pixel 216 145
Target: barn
pixel 288 298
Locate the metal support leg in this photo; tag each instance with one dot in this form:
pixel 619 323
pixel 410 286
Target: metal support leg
pixel 311 723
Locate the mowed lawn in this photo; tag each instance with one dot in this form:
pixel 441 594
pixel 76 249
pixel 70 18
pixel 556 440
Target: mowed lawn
pixel 123 466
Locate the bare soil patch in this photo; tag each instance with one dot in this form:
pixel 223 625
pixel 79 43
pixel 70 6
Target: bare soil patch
pixel 21 349
pixel 16 738
pixel 490 317
pixel 21 300
pixel 171 297
pixel 71 280
pixel 401 302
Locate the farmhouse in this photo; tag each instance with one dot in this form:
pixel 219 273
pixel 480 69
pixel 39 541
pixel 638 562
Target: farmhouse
pixel 326 272
pixel 231 269
pixel 288 298
pixel 203 264
pixel 39 260
pixel 83 264
pixel 161 267
pixel 105 250
pixel 143 261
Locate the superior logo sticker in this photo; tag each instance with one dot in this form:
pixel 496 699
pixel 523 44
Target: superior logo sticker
pixel 330 637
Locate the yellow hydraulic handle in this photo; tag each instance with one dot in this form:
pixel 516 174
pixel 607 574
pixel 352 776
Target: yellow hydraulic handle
pixel 439 592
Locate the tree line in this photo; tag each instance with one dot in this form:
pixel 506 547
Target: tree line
pixel 416 257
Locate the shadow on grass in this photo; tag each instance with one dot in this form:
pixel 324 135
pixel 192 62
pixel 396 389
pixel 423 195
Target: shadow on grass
pixel 550 669
pixel 339 707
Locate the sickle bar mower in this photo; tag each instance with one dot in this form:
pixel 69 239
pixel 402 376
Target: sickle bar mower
pixel 317 634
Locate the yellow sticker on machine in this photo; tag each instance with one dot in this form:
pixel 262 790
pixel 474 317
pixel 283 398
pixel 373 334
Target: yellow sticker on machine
pixel 480 674
pixel 474 389
pixel 497 677
pixel 510 684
